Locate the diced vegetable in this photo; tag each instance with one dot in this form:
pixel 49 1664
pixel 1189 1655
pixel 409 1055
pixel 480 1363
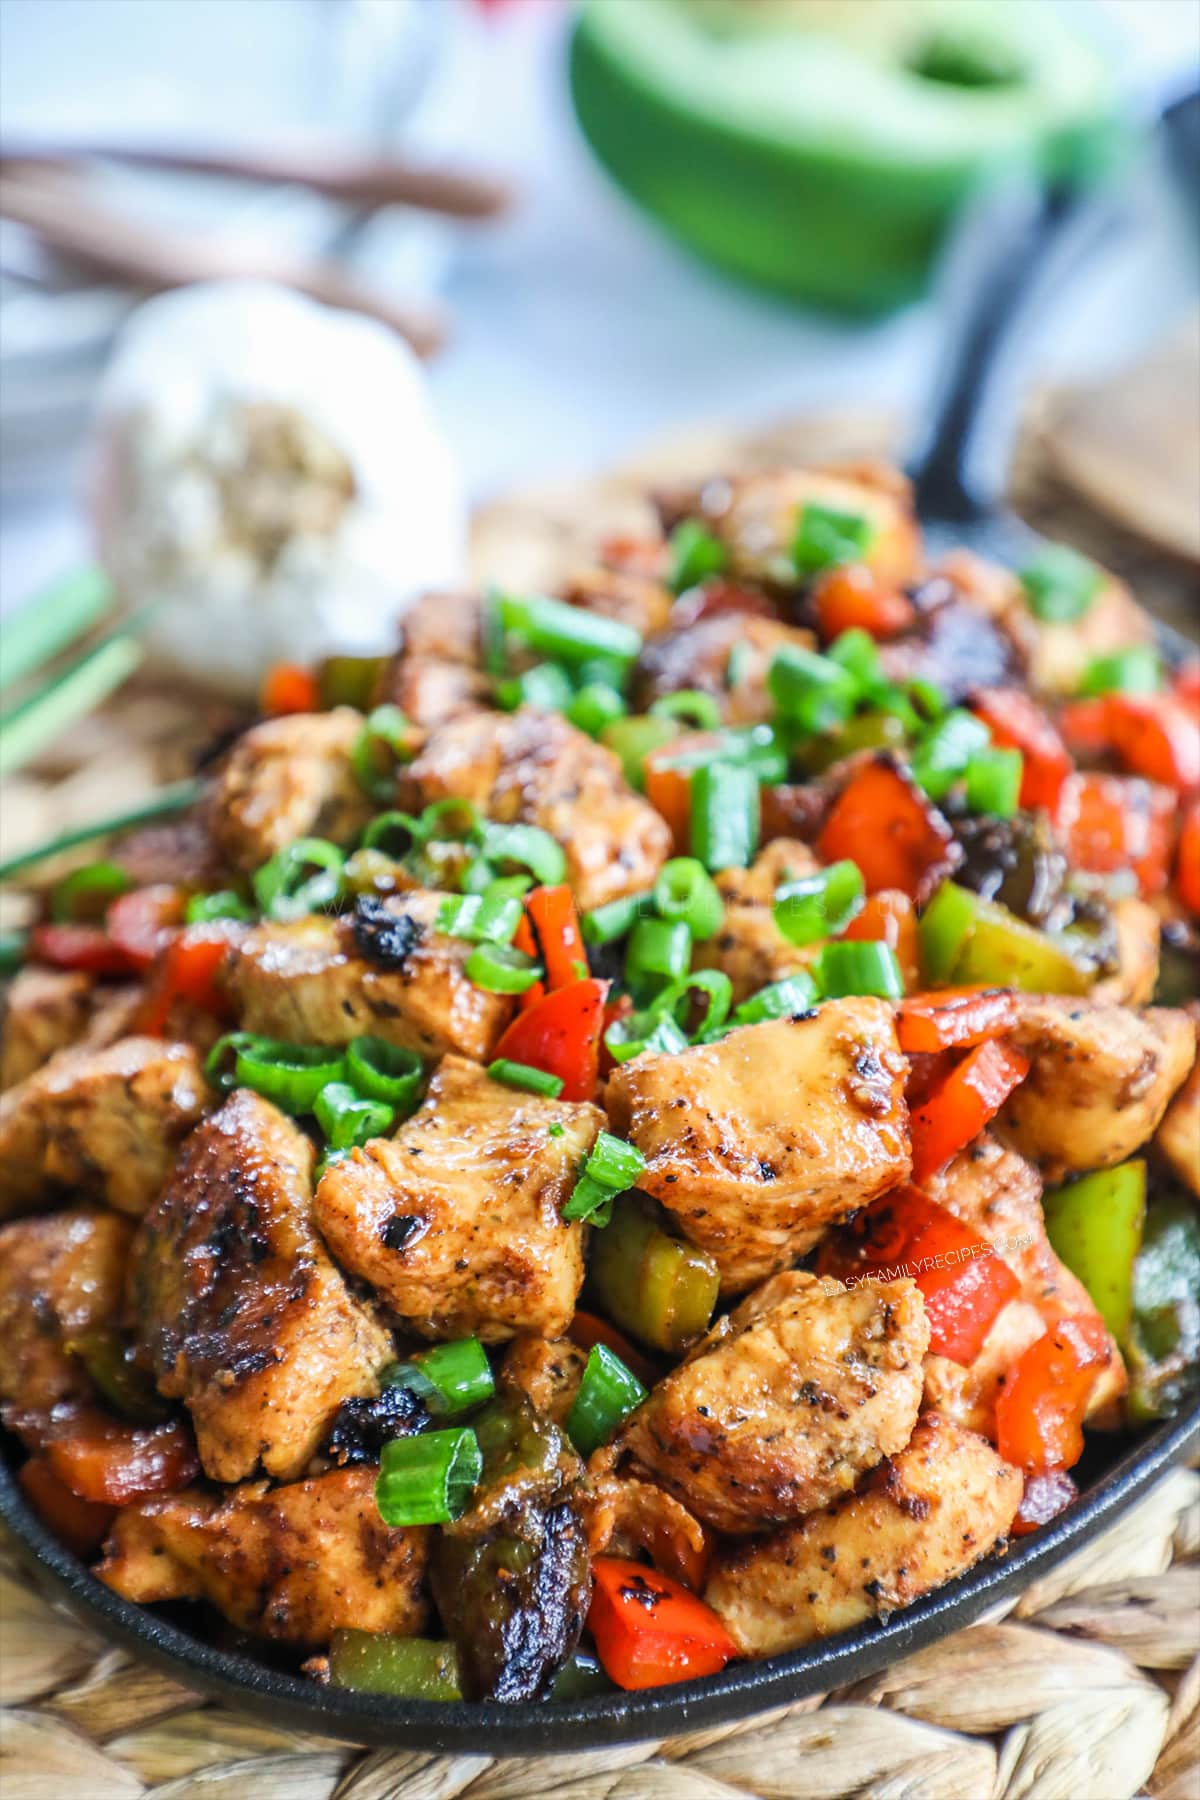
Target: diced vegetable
pixel 843 968
pixel 595 706
pixel 889 917
pixel 348 1120
pixel 1060 584
pixel 974 942
pixel 143 921
pixel 552 935
pixel 112 1464
pixel 348 681
pixel 1040 1409
pixel 817 905
pixel 449 1378
pixel 659 953
pixel 961 1105
pixel 300 879
pixel 1156 736
pixel 717 991
pixel 724 815
pixel 778 1000
pixel 883 822
pixel 565 634
pixel 954 1018
pixel 85 947
pixel 633 739
pixel 546 686
pixel 827 536
pixel 383 1071
pixel 1017 722
pixel 1163 1345
pixel 427 1480
pixel 291 1075
pixel 120 1382
pixel 852 597
pixel 87 893
pixel 608 1393
pixel 693 708
pixel 658 1288
pixel 695 555
pixel 611 1168
pixel 491 917
pixel 994 782
pixel 649 1630
pixel 82 1525
pixel 205 909
pixel 561 1035
pixel 288 688
pixel 1134 670
pixel 945 751
pixel 1095 1226
pixel 685 892
pixel 1187 863
pixel 588 1329
pixel 189 970
pixel 501 969
pixel 1113 822
pixel 407 1668
pixel 525 1079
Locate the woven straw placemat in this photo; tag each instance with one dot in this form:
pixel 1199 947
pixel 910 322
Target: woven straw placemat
pixel 1086 1688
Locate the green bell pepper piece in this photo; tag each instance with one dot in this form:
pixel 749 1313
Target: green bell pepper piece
pixel 409 1668
pixel 1095 1226
pixel 659 1289
pixel 1162 1348
pixel 966 940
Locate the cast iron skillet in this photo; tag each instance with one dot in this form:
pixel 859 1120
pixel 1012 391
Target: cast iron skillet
pixel 1114 1472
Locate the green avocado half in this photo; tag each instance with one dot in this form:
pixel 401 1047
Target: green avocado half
pixel 821 147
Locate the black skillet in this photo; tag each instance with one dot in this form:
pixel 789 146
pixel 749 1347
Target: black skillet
pixel 957 506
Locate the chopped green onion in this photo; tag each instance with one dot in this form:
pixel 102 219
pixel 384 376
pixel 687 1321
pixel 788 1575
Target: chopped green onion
pixel 590 1203
pixel 165 804
pixel 826 537
pixel 202 909
pixel 717 988
pixel 292 1075
pixel 857 652
pixel 1137 670
pixel 605 924
pixel 692 708
pixel 644 1032
pixel 523 1075
pixel 394 833
pixel 85 894
pixel 406 1668
pixel 383 1071
pixel 608 1393
pixel 695 555
pixel 738 665
pixel 450 1378
pixel 614 1163
pixel 780 1000
pixel 299 879
pixel 812 693
pixel 347 1119
pixel 659 952
pixel 943 928
pixel 500 969
pixel 943 753
pixel 449 821
pixel 817 905
pixel 546 686
pixel 725 815
pixel 633 738
pixel 50 620
pixel 595 706
pixel 859 968
pixel 67 697
pixel 928 699
pixel 685 891
pixel 12 951
pixel 348 681
pixel 994 782
pixel 488 918
pixel 427 1480
pixel 555 1129
pixel 1060 584
pixel 579 1678
pixel 527 845
pixel 385 741
pixel 566 633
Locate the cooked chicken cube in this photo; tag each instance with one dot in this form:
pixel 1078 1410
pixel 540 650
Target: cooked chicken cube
pixel 547 1371
pixel 756 1142
pixel 446 626
pixel 431 689
pixel 623 1515
pixel 45 1010
pixel 534 768
pixel 385 972
pixel 621 594
pixel 998 1194
pixel 290 1563
pixel 1100 1080
pixel 926 1516
pixel 104 1122
pixel 1178 1139
pixel 749 947
pixel 726 656
pixel 456 1221
pixel 60 1276
pixel 757 517
pixel 1057 655
pixel 240 1311
pixel 784 1405
pixel 285 779
pixel 1139 934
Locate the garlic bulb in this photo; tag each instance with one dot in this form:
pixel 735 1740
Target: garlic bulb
pixel 269 473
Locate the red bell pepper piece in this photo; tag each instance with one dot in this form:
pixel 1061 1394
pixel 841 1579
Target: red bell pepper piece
pixel 561 1035
pixel 1018 723
pixel 1156 735
pixel 143 921
pixel 86 947
pixel 669 792
pixel 549 931
pixel 634 555
pixel 852 598
pixel 1041 1407
pixel 1187 863
pixel 959 1108
pixel 111 1463
pixel 954 1018
pixel 1084 727
pixel 188 970
pixel 883 822
pixel 964 1283
pixel 1044 1498
pixel 81 1525
pixel 1186 685
pixel 289 688
pixel 1111 822
pixel 889 917
pixel 587 1330
pixel 649 1630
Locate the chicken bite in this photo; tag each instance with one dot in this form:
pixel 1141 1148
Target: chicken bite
pixel 1139 936
pixel 533 768
pixel 384 971
pixel 1100 1079
pixel 1178 1139
pixel 622 594
pixel 726 656
pixel 547 1371
pixel 927 1515
pixel 61 1276
pixel 782 1407
pixel 456 1221
pixel 749 947
pixel 240 1312
pixel 285 779
pixel 44 1010
pixel 104 1122
pixel 293 1564
pixel 758 1141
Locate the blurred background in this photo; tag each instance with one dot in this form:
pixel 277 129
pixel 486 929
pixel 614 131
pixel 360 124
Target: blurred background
pixel 722 211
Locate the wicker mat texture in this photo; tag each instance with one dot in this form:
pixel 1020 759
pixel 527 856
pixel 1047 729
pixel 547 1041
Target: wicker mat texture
pixel 1086 1688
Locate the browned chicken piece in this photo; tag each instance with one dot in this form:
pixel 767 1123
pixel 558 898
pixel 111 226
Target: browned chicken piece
pixel 787 1402
pixel 45 1010
pixel 757 1142
pixel 290 1563
pixel 431 689
pixel 385 972
pixel 1100 1079
pixel 924 1517
pixel 1178 1139
pixel 534 768
pixel 631 599
pixel 60 1276
pixel 455 1221
pixel 104 1122
pixel 447 627
pixel 749 947
pixel 240 1312
pixel 757 515
pixel 999 1195
pixel 1139 936
pixel 547 1371
pixel 726 656
pixel 624 1515
pixel 285 779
